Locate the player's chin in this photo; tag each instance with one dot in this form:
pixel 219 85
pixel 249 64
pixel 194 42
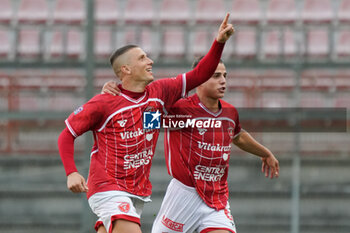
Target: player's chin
pixel 220 95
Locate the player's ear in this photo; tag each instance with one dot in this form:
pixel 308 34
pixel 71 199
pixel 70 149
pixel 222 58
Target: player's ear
pixel 125 69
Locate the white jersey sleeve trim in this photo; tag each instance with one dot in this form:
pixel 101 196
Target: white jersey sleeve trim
pixel 183 93
pixel 130 107
pixel 94 152
pixel 241 131
pixel 167 134
pixel 70 128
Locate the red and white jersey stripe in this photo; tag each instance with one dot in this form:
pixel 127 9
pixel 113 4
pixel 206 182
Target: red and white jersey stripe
pixel 122 151
pixel 199 157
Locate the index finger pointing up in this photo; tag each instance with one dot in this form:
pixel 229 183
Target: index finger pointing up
pixel 224 22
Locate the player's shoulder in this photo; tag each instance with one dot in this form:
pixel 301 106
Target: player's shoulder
pixel 184 102
pixel 164 81
pixel 226 104
pixel 103 98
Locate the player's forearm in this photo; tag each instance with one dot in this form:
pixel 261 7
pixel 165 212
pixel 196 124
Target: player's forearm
pixel 247 143
pixel 66 149
pixel 206 67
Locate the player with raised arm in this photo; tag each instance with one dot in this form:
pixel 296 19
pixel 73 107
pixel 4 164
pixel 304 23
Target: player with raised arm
pixel 198 159
pixel 118 182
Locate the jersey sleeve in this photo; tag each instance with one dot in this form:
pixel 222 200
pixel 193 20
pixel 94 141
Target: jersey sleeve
pixel 87 117
pixel 205 68
pixel 170 89
pixel 238 128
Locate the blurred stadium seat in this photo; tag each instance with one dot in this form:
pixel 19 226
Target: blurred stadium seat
pixel 66 43
pixel 317 43
pixel 313 99
pixel 33 11
pixel 5 86
pixel 174 11
pixel 202 40
pixel 342 79
pixel 290 46
pixel 276 80
pixel 246 12
pixel 140 37
pixel 69 12
pixel 245 43
pixel 208 11
pixel 317 11
pixel 344 11
pixel 272 44
pixel 139 12
pixel 281 12
pixel 55 47
pixel 75 43
pixel 241 79
pixel 6 12
pixel 29 43
pixel 103 43
pixel 173 43
pixel 342 100
pixel 5 45
pixel 106 11
pixel 275 99
pixel 278 43
pixel 342 46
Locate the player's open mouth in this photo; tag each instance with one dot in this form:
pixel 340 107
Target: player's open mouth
pixel 222 89
pixel 149 70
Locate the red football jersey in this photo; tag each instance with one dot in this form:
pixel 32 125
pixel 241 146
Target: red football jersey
pixel 122 152
pixel 199 156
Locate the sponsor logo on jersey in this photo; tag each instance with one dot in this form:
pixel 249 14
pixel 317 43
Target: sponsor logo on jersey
pixel 122 123
pixel 124 207
pixel 202 131
pixel 138 160
pixel 76 111
pixel 131 134
pixel 210 147
pixel 211 174
pixel 175 226
pixel 151 120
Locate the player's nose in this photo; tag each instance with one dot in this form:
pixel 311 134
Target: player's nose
pixel 150 61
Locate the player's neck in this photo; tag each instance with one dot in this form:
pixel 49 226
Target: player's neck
pixel 134 86
pixel 209 103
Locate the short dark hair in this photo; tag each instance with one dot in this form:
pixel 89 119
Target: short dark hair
pixel 121 51
pixel 198 59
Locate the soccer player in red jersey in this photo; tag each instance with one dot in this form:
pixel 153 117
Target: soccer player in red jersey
pixel 198 158
pixel 118 183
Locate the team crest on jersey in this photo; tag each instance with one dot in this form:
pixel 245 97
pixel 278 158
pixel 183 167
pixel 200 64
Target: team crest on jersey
pixel 202 131
pixel 224 156
pixel 124 207
pixel 231 132
pixel 122 123
pixel 78 110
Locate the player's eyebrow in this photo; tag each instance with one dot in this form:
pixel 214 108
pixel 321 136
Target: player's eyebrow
pixel 142 56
